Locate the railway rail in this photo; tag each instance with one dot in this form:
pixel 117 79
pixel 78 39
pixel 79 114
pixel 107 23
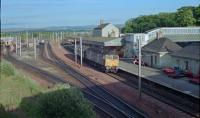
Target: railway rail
pixel 100 105
pixel 113 100
pixel 178 100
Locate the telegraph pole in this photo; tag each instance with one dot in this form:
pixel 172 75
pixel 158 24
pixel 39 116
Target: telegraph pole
pixel 81 46
pixel 139 67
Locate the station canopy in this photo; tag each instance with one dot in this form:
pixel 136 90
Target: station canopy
pixel 103 41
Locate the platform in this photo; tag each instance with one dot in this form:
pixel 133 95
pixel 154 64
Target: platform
pixel 158 76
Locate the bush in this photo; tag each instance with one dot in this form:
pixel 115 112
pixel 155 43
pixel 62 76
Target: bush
pixel 4 113
pixel 7 69
pixel 59 102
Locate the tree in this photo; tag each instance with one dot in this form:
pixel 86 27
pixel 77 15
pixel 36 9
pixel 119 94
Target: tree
pixel 167 19
pixel 184 17
pixel 61 101
pixel 65 103
pixel 196 13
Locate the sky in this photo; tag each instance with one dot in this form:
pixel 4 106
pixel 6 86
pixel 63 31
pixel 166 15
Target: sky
pixel 46 13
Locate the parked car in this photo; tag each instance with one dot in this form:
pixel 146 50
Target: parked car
pixel 173 72
pixel 195 79
pixel 188 74
pixel 168 70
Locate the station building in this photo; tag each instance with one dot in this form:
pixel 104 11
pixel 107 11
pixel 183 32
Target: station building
pixel 180 35
pixel 188 58
pixel 106 30
pixel 176 34
pixel 158 52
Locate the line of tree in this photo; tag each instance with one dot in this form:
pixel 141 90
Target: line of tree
pixel 183 17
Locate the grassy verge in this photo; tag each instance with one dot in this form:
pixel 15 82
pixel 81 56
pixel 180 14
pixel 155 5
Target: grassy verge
pixel 18 92
pixel 13 87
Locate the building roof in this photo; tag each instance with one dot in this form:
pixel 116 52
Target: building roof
pixel 103 41
pixel 99 39
pixel 161 45
pixel 183 37
pixel 192 51
pixel 99 27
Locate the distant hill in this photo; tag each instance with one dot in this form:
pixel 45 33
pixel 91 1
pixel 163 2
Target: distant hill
pixel 56 28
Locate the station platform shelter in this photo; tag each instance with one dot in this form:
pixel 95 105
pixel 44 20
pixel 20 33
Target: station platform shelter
pixel 106 45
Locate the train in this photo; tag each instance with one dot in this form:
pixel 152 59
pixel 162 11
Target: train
pixel 97 56
pixel 104 62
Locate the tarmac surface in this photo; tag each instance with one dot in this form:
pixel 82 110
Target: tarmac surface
pixel 157 76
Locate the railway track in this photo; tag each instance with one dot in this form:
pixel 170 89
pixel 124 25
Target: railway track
pixel 111 99
pixel 100 105
pixel 178 100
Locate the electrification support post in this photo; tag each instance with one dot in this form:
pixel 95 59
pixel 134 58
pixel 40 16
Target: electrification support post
pixel 20 46
pixel 35 47
pixel 39 36
pixel 57 37
pixel 26 38
pixel 16 44
pixel 81 46
pixel 139 68
pixel 75 50
pixel 61 38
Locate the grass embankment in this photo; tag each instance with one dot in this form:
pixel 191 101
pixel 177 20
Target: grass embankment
pixel 13 87
pixel 18 92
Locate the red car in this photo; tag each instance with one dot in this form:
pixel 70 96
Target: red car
pixel 168 70
pixel 195 79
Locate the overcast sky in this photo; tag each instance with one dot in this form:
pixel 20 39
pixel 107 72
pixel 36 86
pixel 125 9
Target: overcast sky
pixel 45 13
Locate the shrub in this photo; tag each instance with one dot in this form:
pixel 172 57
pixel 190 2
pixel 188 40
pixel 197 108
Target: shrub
pixel 4 113
pixel 7 68
pixel 60 102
